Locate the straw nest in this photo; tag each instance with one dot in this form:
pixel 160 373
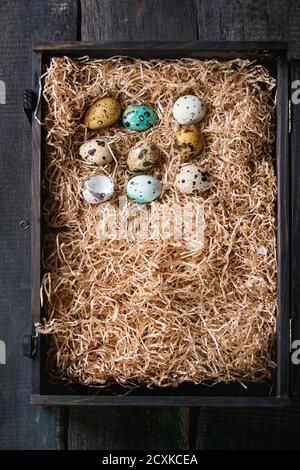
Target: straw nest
pixel 164 311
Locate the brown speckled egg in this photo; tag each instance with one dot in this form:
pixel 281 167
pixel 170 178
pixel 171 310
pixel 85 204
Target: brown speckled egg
pixel 192 179
pixel 103 113
pixel 189 142
pixel 142 156
pixel 96 151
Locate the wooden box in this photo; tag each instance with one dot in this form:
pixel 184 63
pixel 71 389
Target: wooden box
pixel 276 392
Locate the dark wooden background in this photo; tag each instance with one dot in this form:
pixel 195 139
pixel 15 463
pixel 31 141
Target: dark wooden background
pixel 23 426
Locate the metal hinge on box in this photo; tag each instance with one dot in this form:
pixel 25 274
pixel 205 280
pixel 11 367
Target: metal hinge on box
pixel 29 103
pixel 30 344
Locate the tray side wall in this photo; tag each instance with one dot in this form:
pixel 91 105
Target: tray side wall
pixel 283 229
pixel 36 224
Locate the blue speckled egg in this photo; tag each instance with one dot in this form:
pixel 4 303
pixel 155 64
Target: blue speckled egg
pixel 138 117
pixel 143 188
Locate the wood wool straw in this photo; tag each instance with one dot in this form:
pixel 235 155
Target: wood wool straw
pixel 155 312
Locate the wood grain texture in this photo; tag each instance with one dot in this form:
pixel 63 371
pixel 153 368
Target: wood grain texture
pixel 294 28
pixel 138 20
pixel 21 425
pixel 283 228
pixel 295 171
pixel 249 429
pixel 73 400
pixel 250 20
pixel 128 428
pixel 22 23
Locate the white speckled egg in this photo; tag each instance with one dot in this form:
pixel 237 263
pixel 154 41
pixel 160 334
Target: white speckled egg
pixel 143 188
pixel 189 109
pixel 192 178
pixel 98 188
pixel 96 151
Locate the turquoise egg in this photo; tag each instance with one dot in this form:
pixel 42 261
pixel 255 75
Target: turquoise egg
pixel 138 117
pixel 143 188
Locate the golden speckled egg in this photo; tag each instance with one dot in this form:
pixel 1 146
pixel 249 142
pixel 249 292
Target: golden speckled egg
pixel 103 113
pixel 96 151
pixel 142 156
pixel 189 142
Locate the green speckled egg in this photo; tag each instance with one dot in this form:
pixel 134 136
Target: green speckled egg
pixel 138 117
pixel 143 188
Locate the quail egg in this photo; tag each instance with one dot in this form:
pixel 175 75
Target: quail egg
pixel 138 117
pixel 192 179
pixel 98 188
pixel 143 188
pixel 189 142
pixel 96 151
pixel 189 109
pixel 102 113
pixel 143 156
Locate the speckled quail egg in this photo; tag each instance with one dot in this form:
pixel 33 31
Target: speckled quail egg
pixel 192 178
pixel 138 117
pixel 102 113
pixel 98 188
pixel 143 188
pixel 189 142
pixel 142 156
pixel 96 151
pixel 189 109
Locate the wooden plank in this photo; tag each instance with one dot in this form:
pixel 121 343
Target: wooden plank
pixel 21 425
pixel 232 20
pixel 250 20
pixel 294 28
pixel 295 175
pixel 220 20
pixel 283 229
pixel 167 49
pixel 265 19
pixel 250 428
pixel 155 401
pixel 138 20
pixel 128 428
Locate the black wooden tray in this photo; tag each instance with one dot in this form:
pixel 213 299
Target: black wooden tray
pixel 279 389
